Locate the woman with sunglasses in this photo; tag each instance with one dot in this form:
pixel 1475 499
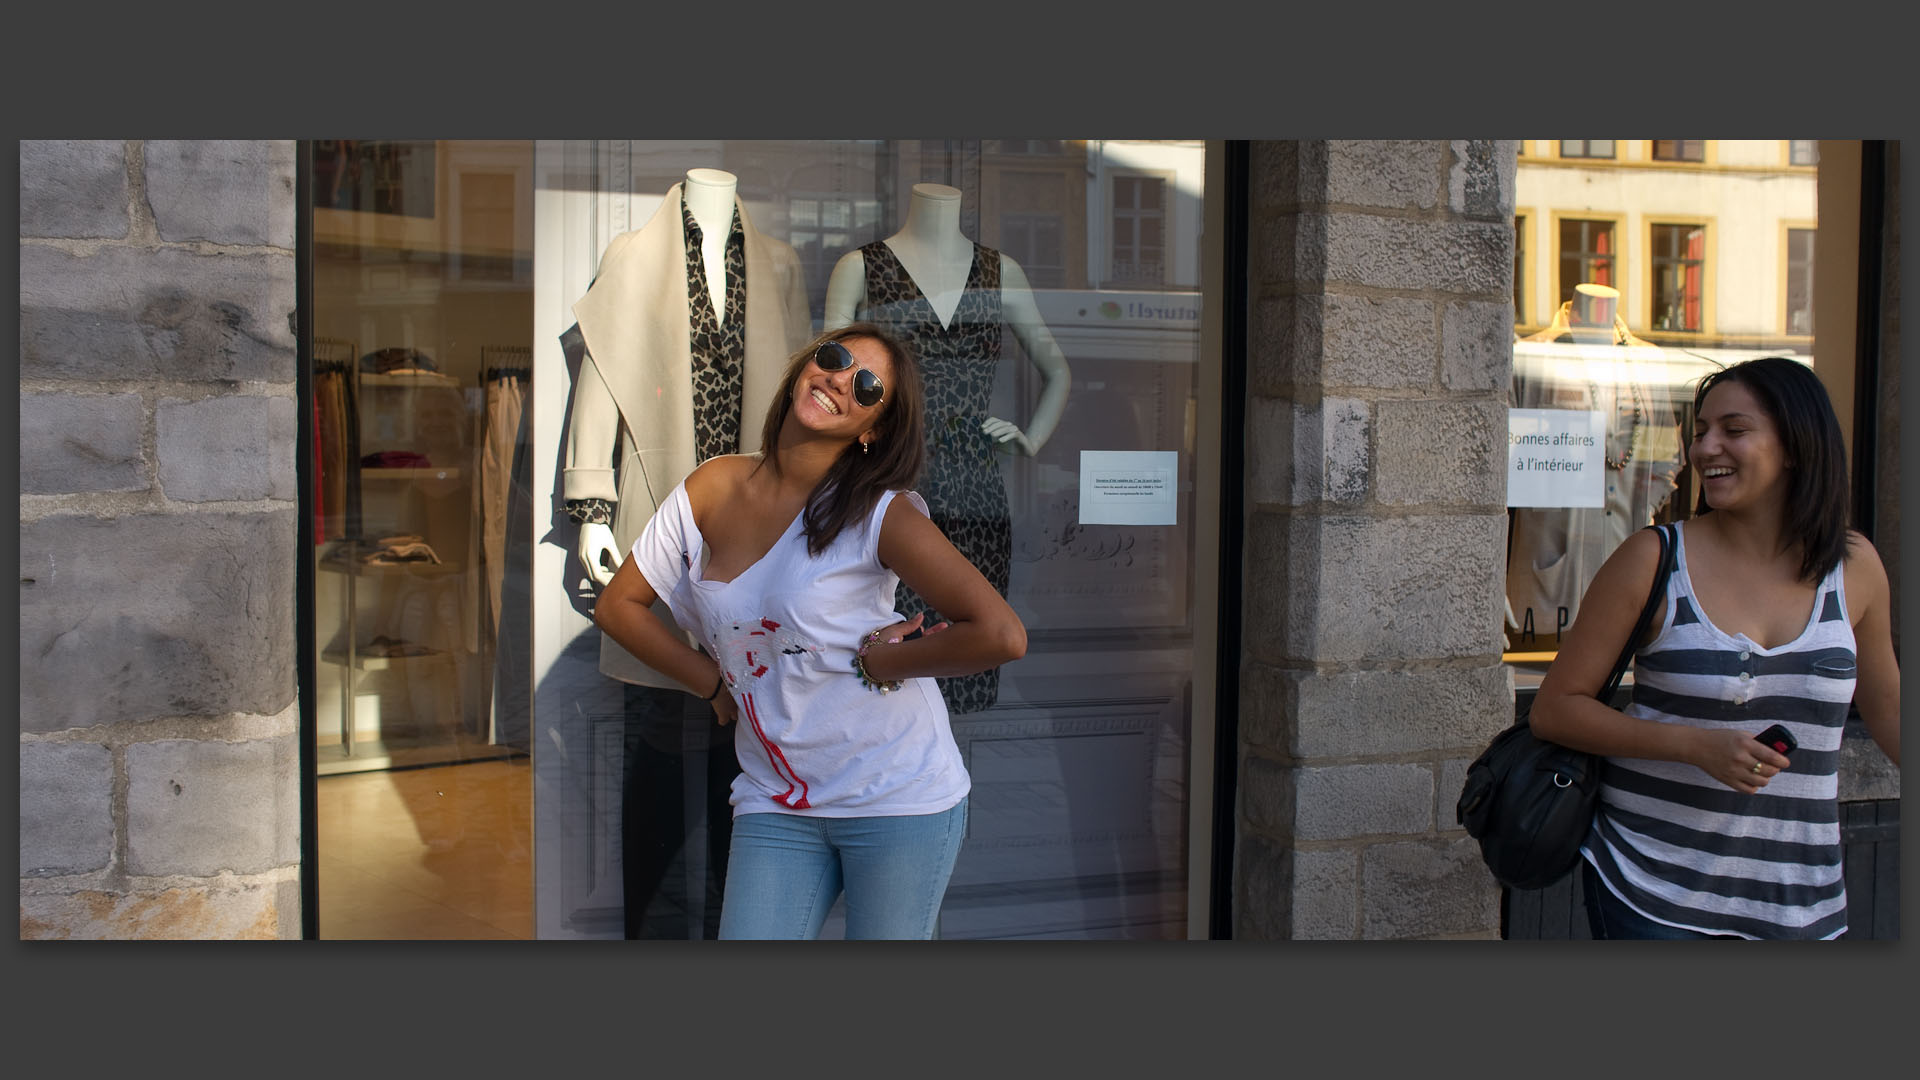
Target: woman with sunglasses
pixel 783 566
pixel 1775 614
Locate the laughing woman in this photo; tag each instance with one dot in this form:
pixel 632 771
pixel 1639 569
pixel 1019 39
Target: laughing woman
pixel 1776 612
pixel 783 566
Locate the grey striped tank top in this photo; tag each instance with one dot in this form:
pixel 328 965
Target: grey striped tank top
pixel 1683 849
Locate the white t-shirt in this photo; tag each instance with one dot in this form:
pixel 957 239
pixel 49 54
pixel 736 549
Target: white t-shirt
pixel 811 739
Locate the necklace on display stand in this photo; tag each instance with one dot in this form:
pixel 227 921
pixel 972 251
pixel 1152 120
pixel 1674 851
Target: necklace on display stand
pixel 1619 464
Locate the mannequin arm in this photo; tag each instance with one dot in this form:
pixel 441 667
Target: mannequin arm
pixel 846 288
pixel 599 554
pixel 1022 313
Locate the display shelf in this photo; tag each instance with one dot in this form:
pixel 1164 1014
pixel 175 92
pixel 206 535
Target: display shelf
pixel 433 379
pixel 372 472
pixel 369 662
pixel 407 569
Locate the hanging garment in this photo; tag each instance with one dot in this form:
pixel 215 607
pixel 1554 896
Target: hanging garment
pixel 965 494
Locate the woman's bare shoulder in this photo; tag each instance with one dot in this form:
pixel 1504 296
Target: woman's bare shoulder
pixel 718 478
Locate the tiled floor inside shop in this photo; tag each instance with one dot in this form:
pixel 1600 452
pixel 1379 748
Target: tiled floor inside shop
pixel 441 852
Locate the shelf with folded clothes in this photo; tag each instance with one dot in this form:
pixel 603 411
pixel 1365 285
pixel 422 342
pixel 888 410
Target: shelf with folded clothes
pixel 382 652
pixel 403 554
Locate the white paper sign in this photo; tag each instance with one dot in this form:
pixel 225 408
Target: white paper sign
pixel 1556 457
pixel 1129 487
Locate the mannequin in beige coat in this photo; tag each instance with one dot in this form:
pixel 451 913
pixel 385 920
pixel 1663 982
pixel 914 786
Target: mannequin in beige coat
pixel 635 387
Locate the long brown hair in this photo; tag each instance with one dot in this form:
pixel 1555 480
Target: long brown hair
pixel 1802 413
pixel 857 478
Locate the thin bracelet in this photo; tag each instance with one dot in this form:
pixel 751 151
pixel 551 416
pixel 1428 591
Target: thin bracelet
pixel 717 687
pixel 860 667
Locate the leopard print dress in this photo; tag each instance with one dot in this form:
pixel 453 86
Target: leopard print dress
pixel 965 495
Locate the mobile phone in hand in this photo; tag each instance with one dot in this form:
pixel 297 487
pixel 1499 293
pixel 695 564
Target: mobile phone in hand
pixel 1779 739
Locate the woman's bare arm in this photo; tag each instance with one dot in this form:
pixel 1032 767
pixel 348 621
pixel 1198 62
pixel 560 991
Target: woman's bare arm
pixel 984 632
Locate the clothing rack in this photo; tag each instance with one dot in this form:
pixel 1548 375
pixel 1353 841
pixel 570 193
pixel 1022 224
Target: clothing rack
pixel 505 362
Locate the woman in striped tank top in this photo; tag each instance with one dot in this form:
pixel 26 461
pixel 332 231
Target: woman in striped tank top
pixel 1776 612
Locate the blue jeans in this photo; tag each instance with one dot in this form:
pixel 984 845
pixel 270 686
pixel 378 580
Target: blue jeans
pixel 786 870
pixel 1611 919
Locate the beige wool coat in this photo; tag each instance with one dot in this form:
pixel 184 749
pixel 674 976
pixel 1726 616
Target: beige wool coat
pixel 630 435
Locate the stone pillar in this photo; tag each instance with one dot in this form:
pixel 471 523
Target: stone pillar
pixel 1380 352
pixel 159 777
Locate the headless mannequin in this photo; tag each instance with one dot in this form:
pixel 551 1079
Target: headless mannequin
pixel 708 195
pixel 933 250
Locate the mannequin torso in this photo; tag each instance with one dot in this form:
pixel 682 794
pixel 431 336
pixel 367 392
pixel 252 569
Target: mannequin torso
pixel 708 195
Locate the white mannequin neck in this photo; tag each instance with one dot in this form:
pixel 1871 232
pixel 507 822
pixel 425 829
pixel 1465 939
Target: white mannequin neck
pixel 930 245
pixel 709 197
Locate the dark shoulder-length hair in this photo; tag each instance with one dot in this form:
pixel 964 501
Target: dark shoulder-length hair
pixel 856 480
pixel 1816 458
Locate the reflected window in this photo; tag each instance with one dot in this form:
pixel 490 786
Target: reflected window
pixel 1586 148
pixel 1800 281
pixel 1139 230
pixel 1679 149
pixel 1587 252
pixel 1033 225
pixel 1679 271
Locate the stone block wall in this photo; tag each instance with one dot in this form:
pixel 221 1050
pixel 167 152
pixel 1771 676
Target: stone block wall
pixel 1380 352
pixel 159 775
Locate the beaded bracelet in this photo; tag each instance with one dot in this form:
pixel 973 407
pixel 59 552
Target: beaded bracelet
pixel 860 668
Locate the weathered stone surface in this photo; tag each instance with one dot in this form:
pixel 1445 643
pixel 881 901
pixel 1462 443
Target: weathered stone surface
pixel 1268 797
pixel 204 807
pixel 1273 363
pixel 1371 342
pixel 73 189
pixel 1394 712
pixel 155 615
pixel 1480 178
pixel 1276 169
pixel 223 192
pixel 1865 772
pixel 166 314
pixel 226 448
pixel 66 807
pixel 1340 589
pixel 1263 887
pixel 1325 895
pixel 1307 453
pixel 1477 346
pixel 1453 779
pixel 215 913
pixel 1440 452
pixel 82 442
pixel 1426 888
pixel 1385 173
pixel 1339 801
pixel 1397 253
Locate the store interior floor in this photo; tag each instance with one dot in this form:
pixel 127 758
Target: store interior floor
pixel 444 852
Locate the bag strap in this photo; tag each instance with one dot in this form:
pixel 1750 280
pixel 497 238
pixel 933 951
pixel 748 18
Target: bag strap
pixel 1660 575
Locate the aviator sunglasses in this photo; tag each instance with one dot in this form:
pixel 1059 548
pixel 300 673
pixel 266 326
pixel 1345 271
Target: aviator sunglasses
pixel 868 390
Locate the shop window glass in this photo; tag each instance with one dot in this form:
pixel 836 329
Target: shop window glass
pixel 1080 754
pixel 1803 152
pixel 422 366
pixel 1602 396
